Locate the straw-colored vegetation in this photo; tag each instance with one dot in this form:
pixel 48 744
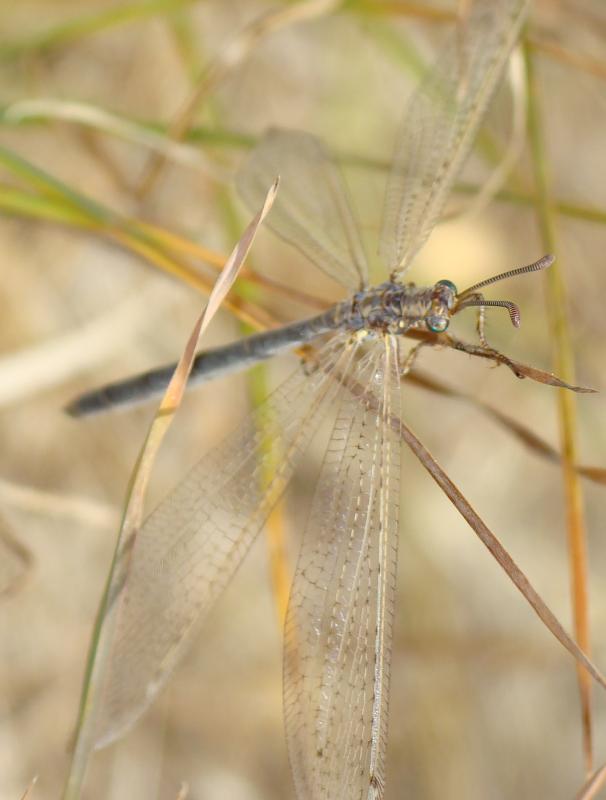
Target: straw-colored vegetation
pixel 120 126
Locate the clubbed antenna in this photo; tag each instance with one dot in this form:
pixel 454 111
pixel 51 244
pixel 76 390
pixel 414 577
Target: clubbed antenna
pixel 542 263
pixel 514 311
pixel 471 296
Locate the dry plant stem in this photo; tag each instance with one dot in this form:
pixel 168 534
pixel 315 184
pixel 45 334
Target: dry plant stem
pixel 564 364
pixel 216 261
pixel 30 788
pixel 23 554
pixel 576 60
pixel 16 114
pixel 78 510
pixel 255 317
pixel 49 199
pixel 522 433
pixel 93 143
pixel 537 40
pixel 498 552
pixel 484 533
pixel 90 118
pixel 275 526
pixel 280 570
pixel 231 56
pixel 592 786
pixel 278 560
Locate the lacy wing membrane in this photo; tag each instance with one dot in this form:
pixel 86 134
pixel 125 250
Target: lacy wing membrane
pixel 312 211
pixel 191 545
pixel 339 623
pixel 439 126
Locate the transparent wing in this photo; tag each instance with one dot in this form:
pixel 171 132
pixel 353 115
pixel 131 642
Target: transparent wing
pixel 439 126
pixel 339 622
pixel 191 545
pixel 312 211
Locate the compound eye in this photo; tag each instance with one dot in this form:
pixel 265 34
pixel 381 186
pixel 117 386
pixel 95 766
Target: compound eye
pixel 436 323
pixel 448 284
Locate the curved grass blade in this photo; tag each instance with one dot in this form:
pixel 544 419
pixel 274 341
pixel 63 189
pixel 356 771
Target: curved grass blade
pixel 60 203
pixel 100 120
pixel 99 663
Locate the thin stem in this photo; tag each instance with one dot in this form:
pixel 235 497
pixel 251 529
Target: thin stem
pixel 564 364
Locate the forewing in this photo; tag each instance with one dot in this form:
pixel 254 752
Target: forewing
pixel 339 622
pixel 440 123
pixel 191 545
pixel 312 211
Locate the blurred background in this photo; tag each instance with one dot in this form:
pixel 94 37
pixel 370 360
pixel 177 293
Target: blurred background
pixel 485 701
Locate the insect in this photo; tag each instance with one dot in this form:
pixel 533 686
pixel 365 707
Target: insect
pixel 338 632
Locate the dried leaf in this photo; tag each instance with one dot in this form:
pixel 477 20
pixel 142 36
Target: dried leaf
pixel 521 432
pixel 541 376
pixel 519 370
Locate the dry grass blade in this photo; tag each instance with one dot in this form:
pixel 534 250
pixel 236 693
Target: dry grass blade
pixel 231 56
pixel 486 536
pixel 30 788
pixel 564 361
pixel 595 474
pixel 592 786
pixel 522 433
pixel 101 120
pixel 48 198
pixel 79 510
pixel 49 363
pixel 15 552
pixel 109 609
pixel 499 553
pixel 560 53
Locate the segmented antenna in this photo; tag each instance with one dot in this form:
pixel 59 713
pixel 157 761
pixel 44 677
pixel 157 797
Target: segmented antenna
pixel 542 263
pixel 514 311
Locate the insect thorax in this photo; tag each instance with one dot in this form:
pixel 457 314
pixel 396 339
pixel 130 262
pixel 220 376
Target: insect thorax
pixel 396 308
